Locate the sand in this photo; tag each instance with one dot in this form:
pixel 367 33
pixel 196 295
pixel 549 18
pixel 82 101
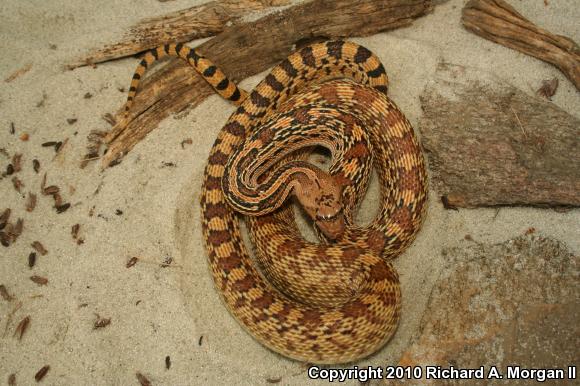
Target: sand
pixel 147 209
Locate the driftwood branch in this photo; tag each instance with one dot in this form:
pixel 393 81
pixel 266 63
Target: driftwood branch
pixel 497 21
pixel 489 143
pixel 248 49
pixel 182 26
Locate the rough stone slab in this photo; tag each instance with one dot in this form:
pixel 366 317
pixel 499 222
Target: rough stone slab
pixel 489 143
pixel 515 303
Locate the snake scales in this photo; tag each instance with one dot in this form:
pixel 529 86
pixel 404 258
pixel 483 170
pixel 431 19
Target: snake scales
pixel 327 302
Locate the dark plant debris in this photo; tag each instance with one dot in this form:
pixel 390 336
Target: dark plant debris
pixel 548 88
pixel 62 208
pixel 101 322
pixel 39 280
pixel 17 162
pixel 167 262
pixel 142 379
pixel 75 231
pixel 41 373
pixel 18 184
pixel 37 245
pixel 167 362
pixel 132 261
pixel 31 259
pixel 4 293
pixel 22 327
pixel 31 202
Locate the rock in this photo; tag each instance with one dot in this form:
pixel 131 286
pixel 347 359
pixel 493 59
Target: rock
pixel 515 303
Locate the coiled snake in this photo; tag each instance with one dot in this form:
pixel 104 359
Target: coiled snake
pixel 327 302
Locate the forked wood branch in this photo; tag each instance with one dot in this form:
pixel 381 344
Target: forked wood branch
pixel 248 49
pixel 497 21
pixel 197 22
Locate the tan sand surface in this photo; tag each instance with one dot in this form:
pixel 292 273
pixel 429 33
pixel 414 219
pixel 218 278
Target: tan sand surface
pixel 146 209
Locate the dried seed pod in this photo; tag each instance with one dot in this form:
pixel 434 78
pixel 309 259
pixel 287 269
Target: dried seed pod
pixel 31 202
pixel 18 185
pixel 43 183
pixel 39 248
pixel 142 379
pixel 49 144
pixel 31 259
pixel 132 261
pixel 167 362
pixel 17 162
pixel 9 169
pixel 22 327
pixel 39 280
pixel 75 231
pixel 4 217
pixel 57 199
pixel 18 227
pixel 52 189
pixel 41 373
pixel 5 239
pixel 36 165
pixel 62 208
pixel 4 293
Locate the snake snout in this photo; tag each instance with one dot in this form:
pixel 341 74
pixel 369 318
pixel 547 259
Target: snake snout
pixel 331 224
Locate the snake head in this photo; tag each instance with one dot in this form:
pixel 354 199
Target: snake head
pixel 321 198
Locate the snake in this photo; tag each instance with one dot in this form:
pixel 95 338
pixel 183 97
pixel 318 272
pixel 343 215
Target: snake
pixel 338 299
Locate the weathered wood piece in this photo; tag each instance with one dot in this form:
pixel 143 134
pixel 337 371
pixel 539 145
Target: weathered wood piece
pixel 182 26
pixel 489 143
pixel 248 49
pixel 497 21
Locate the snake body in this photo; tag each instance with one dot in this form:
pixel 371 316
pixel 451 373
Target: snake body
pixel 316 302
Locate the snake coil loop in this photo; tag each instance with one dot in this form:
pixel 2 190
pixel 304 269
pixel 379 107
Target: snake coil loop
pixel 327 302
